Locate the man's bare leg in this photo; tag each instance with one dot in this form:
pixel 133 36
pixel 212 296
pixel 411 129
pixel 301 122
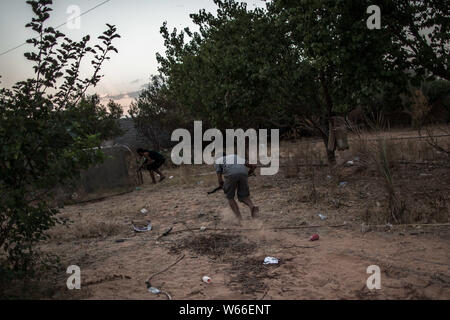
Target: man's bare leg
pixel 161 175
pixel 152 174
pixel 234 206
pixel 253 209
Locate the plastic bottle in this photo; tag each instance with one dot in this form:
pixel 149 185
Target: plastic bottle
pixel 206 279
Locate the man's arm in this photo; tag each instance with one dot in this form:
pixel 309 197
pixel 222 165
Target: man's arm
pixel 252 167
pixel 220 179
pixel 147 156
pixel 141 165
pixel 219 170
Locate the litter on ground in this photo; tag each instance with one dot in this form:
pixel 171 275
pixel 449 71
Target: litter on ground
pixel 270 260
pixel 143 229
pixel 158 292
pixel 154 290
pixel 165 233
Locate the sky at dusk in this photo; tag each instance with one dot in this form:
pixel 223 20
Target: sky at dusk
pixel 138 22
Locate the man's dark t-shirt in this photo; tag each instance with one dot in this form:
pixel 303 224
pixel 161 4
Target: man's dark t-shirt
pixel 156 157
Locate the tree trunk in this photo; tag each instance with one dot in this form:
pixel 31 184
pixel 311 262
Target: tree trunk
pixel 331 156
pixel 315 126
pixel 326 93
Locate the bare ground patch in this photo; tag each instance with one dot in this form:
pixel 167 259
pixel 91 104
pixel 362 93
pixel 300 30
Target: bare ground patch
pixel 248 274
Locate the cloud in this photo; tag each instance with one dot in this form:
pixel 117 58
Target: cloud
pixel 136 81
pixel 126 95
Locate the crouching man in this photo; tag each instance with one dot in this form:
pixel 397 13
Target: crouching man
pixel 153 162
pixel 236 179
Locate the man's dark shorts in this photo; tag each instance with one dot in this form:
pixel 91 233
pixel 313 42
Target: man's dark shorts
pixel 155 165
pixel 237 182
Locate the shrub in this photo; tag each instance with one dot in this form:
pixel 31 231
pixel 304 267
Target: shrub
pixel 44 134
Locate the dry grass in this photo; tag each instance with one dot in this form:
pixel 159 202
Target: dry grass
pixel 420 108
pixel 297 158
pixel 385 152
pixel 86 229
pixel 191 175
pixel 385 157
pixel 439 144
pixel 381 153
pixel 102 229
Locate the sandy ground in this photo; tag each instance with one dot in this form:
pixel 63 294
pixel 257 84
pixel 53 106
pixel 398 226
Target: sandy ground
pixel 115 261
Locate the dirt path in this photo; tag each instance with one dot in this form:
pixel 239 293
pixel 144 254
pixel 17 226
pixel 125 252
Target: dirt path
pixel 115 261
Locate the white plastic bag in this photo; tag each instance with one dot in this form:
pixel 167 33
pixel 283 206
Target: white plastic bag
pixel 270 260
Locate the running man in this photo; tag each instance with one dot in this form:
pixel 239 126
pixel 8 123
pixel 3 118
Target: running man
pixel 236 178
pixel 153 161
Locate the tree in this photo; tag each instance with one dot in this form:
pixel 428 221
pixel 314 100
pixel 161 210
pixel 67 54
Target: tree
pixel 224 73
pixel 47 133
pixel 420 30
pixel 97 119
pixel 352 62
pixel 154 112
pixel 342 58
pixel 303 61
